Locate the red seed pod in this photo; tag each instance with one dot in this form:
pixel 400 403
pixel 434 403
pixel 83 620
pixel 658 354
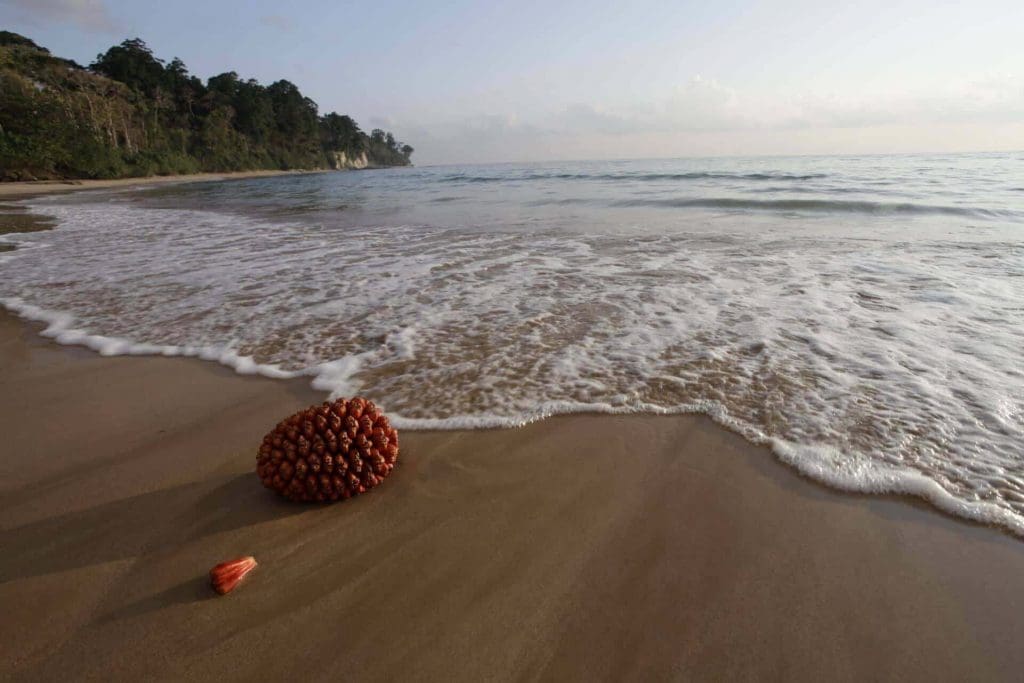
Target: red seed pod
pixel 351 426
pixel 286 470
pixel 344 442
pixel 226 575
pixel 328 452
pixel 365 425
pixel 356 406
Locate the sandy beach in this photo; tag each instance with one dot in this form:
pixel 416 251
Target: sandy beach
pixel 17 190
pixel 578 548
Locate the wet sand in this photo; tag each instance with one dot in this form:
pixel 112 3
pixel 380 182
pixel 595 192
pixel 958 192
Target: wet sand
pixel 579 548
pixel 39 187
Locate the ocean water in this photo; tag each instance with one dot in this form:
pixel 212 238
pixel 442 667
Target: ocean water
pixel 864 316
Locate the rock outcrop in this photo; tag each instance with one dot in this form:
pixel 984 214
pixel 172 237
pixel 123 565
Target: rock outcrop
pixel 341 161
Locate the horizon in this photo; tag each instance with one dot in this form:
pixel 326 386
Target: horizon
pixel 696 157
pixel 470 85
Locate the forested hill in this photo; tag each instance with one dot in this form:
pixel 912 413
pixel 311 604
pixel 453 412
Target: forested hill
pixel 132 114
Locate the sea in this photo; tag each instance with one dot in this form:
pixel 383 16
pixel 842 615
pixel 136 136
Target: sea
pixel 863 316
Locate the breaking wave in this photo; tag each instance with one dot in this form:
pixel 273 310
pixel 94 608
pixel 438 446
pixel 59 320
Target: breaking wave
pixel 873 345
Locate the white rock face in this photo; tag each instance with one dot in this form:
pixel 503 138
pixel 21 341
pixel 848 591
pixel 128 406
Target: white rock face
pixel 341 160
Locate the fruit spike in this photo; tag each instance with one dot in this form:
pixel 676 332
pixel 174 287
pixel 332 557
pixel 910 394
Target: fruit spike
pixel 226 575
pixel 328 452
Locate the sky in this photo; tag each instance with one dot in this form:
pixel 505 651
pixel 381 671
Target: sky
pixel 468 82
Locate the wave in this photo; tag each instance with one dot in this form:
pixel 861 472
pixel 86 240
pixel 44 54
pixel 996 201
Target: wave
pixel 819 205
pixel 61 328
pixel 824 464
pixel 643 177
pixel 511 326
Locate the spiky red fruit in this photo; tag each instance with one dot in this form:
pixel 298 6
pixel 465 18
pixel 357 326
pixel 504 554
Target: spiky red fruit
pixel 328 452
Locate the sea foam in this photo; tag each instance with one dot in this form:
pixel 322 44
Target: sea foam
pixel 873 351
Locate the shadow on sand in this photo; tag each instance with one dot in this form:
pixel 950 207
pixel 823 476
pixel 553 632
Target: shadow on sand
pixel 113 531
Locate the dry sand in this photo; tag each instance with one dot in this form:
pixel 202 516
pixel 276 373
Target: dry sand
pixel 578 548
pixel 38 187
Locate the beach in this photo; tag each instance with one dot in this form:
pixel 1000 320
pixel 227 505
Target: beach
pixel 20 190
pixel 650 343
pixel 582 547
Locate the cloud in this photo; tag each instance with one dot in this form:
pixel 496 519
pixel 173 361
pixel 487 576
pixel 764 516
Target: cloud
pixel 89 15
pixel 592 118
pixel 703 116
pixel 278 21
pixel 704 105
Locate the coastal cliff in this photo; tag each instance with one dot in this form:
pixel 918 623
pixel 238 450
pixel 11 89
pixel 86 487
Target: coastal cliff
pixel 340 161
pixel 131 114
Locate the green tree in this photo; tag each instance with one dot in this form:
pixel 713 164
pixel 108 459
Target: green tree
pixel 341 133
pixel 132 63
pixel 132 114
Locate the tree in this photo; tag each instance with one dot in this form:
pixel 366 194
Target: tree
pixel 185 89
pixel 341 133
pixel 132 63
pixel 222 89
pixel 131 113
pixel 254 111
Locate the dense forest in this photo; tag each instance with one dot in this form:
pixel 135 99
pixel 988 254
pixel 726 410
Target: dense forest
pixel 132 114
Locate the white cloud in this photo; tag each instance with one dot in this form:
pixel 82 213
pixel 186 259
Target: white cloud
pixel 703 105
pixel 703 116
pixel 91 15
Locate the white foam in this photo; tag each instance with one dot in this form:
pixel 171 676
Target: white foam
pixel 59 327
pixel 840 470
pixel 872 365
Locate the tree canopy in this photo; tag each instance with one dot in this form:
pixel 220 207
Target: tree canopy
pixel 132 113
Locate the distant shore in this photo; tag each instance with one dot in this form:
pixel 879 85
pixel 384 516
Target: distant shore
pixel 39 187
pixel 586 547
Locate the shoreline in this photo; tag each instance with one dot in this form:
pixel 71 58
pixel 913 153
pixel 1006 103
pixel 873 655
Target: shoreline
pixel 906 494
pixel 578 547
pixel 903 483
pixel 24 189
